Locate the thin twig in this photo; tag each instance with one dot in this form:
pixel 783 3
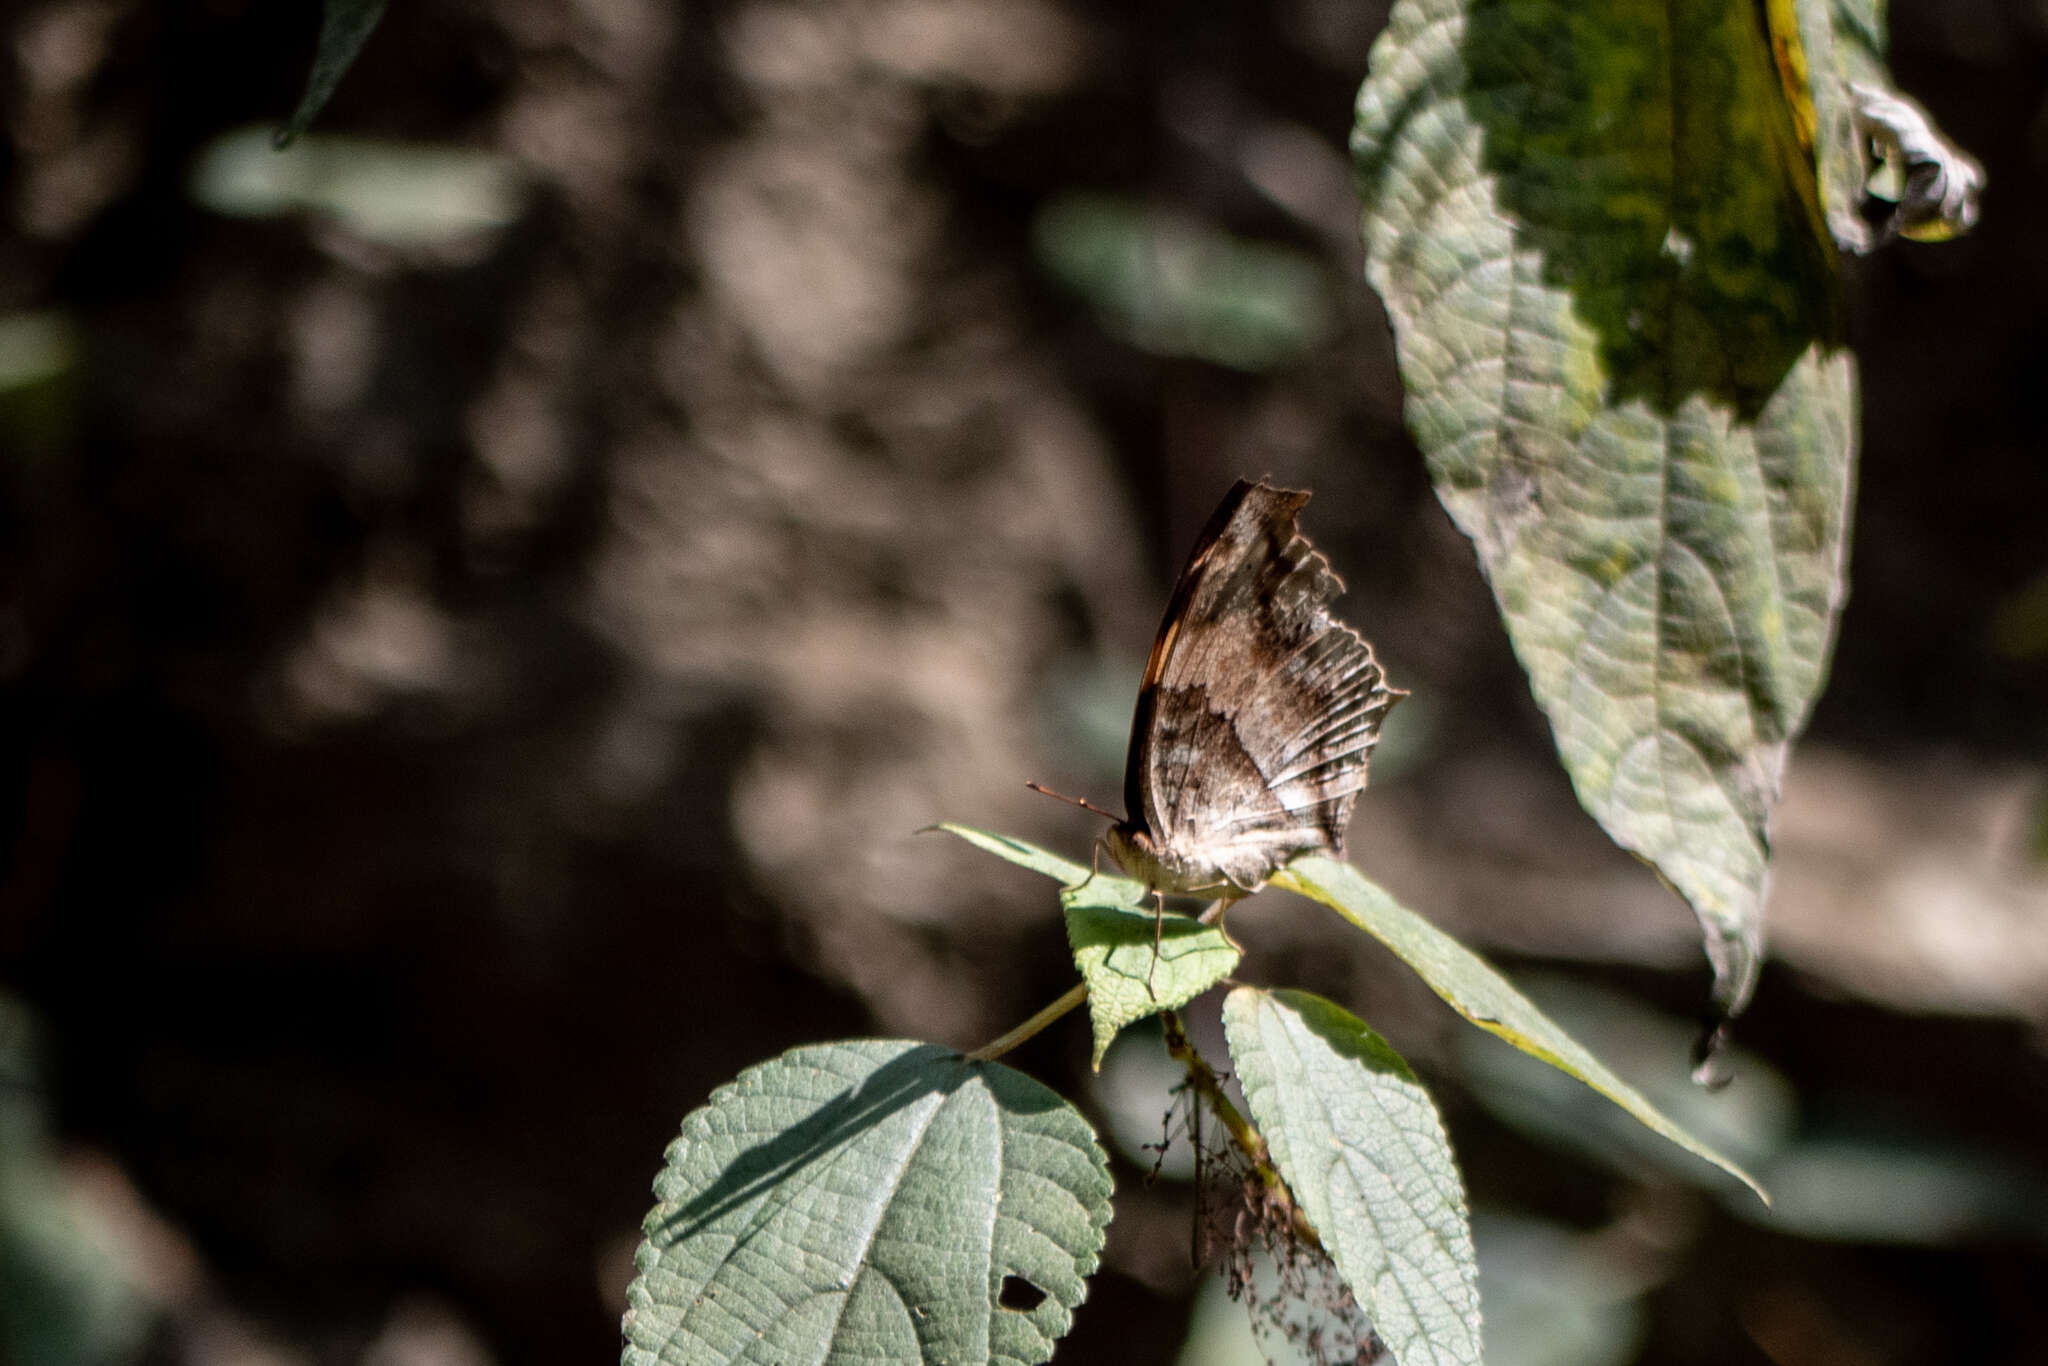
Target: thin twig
pixel 1248 1139
pixel 996 1047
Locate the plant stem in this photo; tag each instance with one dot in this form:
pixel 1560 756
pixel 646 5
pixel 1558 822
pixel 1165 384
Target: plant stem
pixel 1248 1139
pixel 996 1047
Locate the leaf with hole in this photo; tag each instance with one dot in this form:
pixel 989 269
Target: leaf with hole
pixel 879 1201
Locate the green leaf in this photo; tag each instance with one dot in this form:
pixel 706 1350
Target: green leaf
pixel 345 26
pixel 1477 992
pixel 874 1201
pixel 1136 962
pixel 1020 852
pixel 1618 323
pixel 41 356
pixel 1855 28
pixel 1361 1147
pixel 1175 287
pixel 1133 963
pixel 403 196
pixel 1556 1296
pixel 1820 47
pixel 35 348
pixel 75 1290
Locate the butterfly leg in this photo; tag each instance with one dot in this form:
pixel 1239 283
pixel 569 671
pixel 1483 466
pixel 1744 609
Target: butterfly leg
pixel 1223 929
pixel 1213 913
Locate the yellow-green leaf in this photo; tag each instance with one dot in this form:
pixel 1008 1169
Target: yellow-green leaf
pixel 1477 992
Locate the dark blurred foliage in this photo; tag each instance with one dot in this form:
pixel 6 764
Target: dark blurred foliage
pixel 481 617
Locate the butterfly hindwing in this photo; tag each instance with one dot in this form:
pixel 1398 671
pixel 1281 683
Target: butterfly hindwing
pixel 1259 709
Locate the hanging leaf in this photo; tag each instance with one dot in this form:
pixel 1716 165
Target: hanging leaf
pixel 1934 183
pixel 880 1201
pixel 1361 1147
pixel 1618 324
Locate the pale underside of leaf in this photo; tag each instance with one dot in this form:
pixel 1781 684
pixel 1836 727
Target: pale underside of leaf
pixel 1477 992
pixel 1364 1152
pixel 1618 330
pixel 1840 43
pixel 868 1201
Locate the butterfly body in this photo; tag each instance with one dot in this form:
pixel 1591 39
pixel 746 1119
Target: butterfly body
pixel 1258 711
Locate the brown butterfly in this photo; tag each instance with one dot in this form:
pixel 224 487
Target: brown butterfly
pixel 1258 711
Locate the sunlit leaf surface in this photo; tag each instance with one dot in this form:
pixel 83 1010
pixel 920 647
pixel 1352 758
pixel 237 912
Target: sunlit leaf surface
pixel 1616 308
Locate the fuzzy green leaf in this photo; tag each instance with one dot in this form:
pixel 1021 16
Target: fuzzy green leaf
pixel 1477 992
pixel 1362 1148
pixel 1135 961
pixel 872 1201
pixel 1618 322
pixel 1176 287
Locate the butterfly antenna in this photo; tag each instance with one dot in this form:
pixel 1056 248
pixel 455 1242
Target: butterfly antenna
pixel 1081 802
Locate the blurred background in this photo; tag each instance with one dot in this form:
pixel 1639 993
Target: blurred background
pixel 487 598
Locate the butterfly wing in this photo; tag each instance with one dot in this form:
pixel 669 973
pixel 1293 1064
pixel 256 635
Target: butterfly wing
pixel 1259 709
